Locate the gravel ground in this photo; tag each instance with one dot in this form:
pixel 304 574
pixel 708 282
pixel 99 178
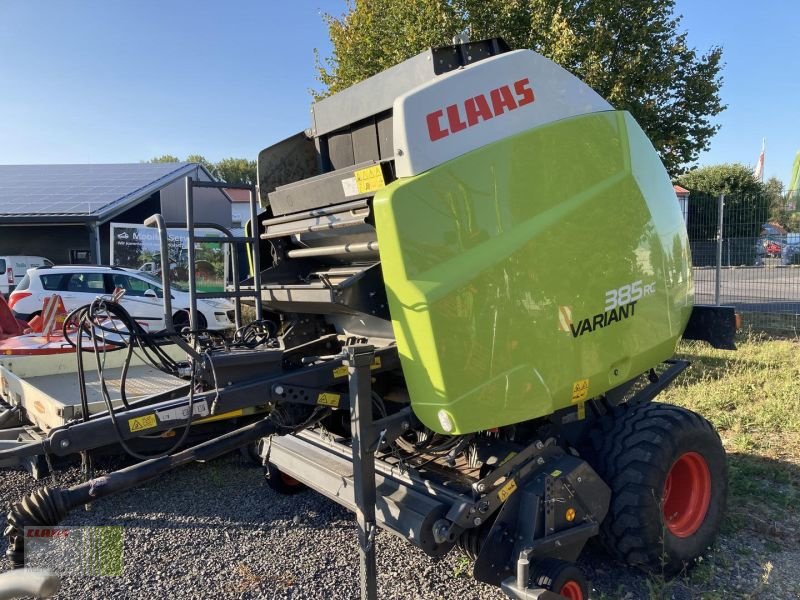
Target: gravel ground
pixel 217 531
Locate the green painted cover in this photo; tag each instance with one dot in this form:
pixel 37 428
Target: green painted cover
pixel 534 273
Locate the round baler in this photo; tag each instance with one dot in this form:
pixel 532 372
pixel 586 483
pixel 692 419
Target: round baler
pixel 477 273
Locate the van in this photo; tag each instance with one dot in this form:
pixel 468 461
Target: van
pixel 13 269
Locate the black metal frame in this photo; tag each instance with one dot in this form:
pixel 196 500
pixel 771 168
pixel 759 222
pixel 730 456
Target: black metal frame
pixel 226 238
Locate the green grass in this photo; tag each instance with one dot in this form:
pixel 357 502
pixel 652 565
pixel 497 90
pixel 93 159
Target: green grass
pixel 752 396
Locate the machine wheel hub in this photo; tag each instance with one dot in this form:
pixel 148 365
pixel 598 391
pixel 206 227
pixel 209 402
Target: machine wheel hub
pixel 687 495
pixel 571 590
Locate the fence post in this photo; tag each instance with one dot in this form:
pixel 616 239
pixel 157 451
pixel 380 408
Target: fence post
pixel 721 206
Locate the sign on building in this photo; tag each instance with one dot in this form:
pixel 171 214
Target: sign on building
pixel 138 247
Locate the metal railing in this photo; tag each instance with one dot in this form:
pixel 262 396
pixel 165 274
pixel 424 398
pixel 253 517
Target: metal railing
pixel 743 259
pixel 226 237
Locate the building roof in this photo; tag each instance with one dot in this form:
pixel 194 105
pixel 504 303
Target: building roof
pixel 680 191
pixel 237 195
pixel 78 193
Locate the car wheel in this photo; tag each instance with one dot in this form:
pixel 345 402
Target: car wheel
pixel 180 320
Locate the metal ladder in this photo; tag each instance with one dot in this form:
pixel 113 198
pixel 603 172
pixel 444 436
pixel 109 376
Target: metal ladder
pixel 226 238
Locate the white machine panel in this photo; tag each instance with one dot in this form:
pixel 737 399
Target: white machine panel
pixel 482 103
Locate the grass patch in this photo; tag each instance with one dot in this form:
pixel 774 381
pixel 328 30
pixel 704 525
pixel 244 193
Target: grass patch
pixel 752 396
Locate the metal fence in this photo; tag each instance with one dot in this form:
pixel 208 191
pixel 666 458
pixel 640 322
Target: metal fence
pixel 741 259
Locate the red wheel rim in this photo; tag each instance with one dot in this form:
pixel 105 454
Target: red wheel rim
pixel 687 494
pixel 572 590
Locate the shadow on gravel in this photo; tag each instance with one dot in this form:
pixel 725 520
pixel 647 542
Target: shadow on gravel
pixel 757 555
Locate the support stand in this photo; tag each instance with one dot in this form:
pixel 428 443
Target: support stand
pixel 359 359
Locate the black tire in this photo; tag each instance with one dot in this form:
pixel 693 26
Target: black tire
pixel 250 453
pixel 560 577
pixel 281 483
pixel 634 449
pixel 181 319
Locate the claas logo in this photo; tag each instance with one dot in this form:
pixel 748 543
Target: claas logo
pixel 458 117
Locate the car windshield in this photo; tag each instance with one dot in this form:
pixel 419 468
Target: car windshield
pixel 176 287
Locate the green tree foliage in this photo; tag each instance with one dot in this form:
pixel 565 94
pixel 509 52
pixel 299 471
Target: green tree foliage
pixel 230 170
pixel 792 222
pixel 747 207
pixel 377 34
pixel 202 160
pixel 236 170
pixel 632 52
pixel 165 158
pixel 730 178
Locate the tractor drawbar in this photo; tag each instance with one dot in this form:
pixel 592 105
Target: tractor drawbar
pixel 48 506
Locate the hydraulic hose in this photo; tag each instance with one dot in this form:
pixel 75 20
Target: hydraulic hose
pixel 47 506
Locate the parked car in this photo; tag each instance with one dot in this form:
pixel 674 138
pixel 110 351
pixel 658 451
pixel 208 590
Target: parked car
pixel 13 269
pixel 772 249
pixel 790 255
pixel 154 268
pixel 79 285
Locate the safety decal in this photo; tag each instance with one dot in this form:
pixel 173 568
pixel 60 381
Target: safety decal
pixel 508 489
pixel 342 370
pixel 142 423
pixel 180 413
pixel 328 399
pixel 580 390
pixel 369 179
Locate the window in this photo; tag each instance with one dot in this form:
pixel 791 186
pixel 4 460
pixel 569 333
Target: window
pixel 133 286
pixel 2 265
pixel 86 283
pixel 52 282
pixel 24 284
pixel 77 257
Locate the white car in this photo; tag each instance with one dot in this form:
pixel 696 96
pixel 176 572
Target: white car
pixel 79 285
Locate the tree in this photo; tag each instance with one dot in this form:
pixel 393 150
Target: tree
pixel 165 158
pixel 729 178
pixel 747 205
pixel 230 170
pixel 202 160
pixel 236 170
pixel 773 188
pixel 792 222
pixel 631 52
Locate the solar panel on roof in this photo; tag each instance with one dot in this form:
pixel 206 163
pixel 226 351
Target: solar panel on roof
pixel 76 190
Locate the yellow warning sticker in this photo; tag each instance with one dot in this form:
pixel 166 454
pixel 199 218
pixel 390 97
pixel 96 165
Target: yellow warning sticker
pixel 580 390
pixel 142 423
pixel 369 179
pixel 555 473
pixel 581 411
pixel 328 399
pixel 508 489
pixel 342 371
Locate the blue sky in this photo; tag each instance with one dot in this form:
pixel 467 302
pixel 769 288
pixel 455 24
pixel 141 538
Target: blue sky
pixel 97 81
